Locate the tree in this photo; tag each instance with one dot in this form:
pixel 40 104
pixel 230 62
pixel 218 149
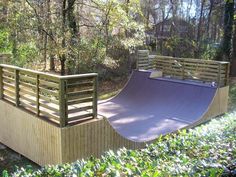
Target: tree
pixel 224 51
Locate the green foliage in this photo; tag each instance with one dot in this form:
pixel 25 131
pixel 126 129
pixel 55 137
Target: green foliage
pixel 206 150
pixel 5 44
pixel 209 51
pixel 26 54
pixel 179 47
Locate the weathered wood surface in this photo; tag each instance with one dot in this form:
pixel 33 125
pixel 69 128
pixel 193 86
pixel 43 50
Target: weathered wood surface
pixel 50 96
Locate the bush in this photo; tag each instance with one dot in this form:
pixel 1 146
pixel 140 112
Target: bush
pixel 207 150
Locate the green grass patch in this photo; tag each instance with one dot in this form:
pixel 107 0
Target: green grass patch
pixel 207 150
pixel 105 96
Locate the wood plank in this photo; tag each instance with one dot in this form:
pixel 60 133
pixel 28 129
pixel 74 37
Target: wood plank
pixel 29 99
pixel 188 64
pixel 63 104
pixel 89 115
pixel 9 74
pixel 9 94
pixel 74 95
pixel 51 116
pixel 80 84
pixel 48 91
pixel 8 71
pixel 27 85
pixel 48 99
pixel 95 97
pixel 8 78
pixel 1 82
pixel 8 84
pixel 48 84
pixel 82 100
pixel 28 80
pixel 47 106
pixel 9 98
pixel 30 107
pixel 10 91
pixel 24 90
pixel 79 109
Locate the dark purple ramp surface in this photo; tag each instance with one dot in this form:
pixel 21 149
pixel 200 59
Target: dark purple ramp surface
pixel 146 107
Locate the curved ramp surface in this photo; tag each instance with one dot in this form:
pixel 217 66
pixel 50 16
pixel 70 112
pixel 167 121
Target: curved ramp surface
pixel 147 108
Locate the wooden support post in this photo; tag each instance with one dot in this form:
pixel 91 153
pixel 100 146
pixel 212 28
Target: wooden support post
pixel 37 95
pixel 95 96
pixel 63 103
pixel 1 83
pixel 219 75
pixel 227 74
pixel 17 90
pixel 183 70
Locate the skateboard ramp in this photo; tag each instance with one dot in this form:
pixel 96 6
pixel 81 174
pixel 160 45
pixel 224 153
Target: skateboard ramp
pixel 147 108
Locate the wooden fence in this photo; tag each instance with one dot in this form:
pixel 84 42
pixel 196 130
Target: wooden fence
pixel 63 100
pixel 185 68
pixel 193 69
pixel 143 59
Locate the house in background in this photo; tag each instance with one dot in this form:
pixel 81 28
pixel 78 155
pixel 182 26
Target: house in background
pixel 174 26
pixel 168 33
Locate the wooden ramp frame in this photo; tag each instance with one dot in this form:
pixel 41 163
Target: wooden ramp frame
pixel 64 135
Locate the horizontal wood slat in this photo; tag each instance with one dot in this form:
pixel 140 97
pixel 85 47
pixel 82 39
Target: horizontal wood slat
pixel 186 68
pixel 89 115
pixel 55 98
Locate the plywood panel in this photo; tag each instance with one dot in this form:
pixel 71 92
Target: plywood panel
pixel 36 139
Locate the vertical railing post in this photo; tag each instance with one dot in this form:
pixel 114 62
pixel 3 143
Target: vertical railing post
pixel 62 103
pixel 1 83
pixel 227 74
pixel 37 95
pixel 95 96
pixel 17 88
pixel 219 75
pixel 183 69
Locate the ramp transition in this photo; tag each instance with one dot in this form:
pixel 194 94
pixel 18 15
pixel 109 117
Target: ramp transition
pixel 147 108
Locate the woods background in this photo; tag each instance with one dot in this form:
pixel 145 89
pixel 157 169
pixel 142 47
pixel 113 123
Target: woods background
pixel 77 36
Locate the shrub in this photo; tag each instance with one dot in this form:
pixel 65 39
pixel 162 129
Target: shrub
pixel 207 150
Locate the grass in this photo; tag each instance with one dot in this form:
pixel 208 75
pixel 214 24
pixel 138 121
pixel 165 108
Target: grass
pixel 109 89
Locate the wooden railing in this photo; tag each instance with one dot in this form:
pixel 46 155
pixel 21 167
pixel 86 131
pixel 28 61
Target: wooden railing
pixel 63 100
pixel 192 69
pixel 143 59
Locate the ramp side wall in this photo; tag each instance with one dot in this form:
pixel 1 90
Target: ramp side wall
pixel 218 106
pixel 32 137
pixel 92 139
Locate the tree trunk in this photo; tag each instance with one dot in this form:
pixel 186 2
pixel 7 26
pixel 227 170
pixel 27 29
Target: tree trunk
pixel 74 40
pixel 209 18
pixel 50 40
pixel 234 42
pixel 197 51
pixel 225 49
pixel 45 44
pixel 63 44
